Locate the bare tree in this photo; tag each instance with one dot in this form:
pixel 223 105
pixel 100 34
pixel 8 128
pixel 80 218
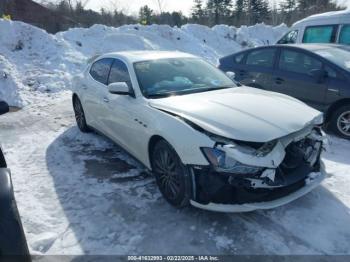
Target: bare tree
pixel 160 6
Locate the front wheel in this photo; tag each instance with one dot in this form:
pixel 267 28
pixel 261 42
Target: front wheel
pixel 340 122
pixel 171 175
pixel 80 116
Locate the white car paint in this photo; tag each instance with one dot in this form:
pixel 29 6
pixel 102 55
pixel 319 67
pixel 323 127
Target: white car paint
pixel 240 113
pixel 233 112
pixel 340 18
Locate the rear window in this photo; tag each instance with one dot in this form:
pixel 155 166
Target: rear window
pixel 262 57
pixel 320 34
pixel 100 70
pixel 298 62
pixel 338 56
pixel 344 35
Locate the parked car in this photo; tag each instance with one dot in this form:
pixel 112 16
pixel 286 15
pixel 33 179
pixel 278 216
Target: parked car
pixel 12 238
pixel 330 27
pixel 318 74
pixel 208 142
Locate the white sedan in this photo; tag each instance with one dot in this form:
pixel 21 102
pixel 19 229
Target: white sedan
pixel 208 142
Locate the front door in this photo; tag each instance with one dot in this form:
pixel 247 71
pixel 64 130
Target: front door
pixel 122 118
pixel 257 69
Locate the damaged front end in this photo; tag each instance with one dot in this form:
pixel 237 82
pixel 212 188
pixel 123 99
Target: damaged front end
pixel 244 176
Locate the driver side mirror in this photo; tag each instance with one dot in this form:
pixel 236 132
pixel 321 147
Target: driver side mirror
pixel 119 88
pixel 231 75
pixel 4 107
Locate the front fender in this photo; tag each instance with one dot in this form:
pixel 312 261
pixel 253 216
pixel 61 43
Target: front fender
pixel 183 137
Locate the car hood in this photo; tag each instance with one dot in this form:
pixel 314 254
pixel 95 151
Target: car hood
pixel 242 113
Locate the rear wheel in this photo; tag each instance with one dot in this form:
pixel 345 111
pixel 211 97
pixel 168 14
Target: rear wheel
pixel 340 122
pixel 171 175
pixel 80 116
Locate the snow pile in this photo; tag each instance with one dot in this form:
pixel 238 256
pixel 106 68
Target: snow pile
pixel 35 63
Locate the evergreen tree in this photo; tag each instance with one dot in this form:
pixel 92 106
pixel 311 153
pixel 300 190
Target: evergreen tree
pixel 197 11
pixel 309 7
pixel 146 15
pixel 288 11
pixel 259 11
pixel 240 13
pixel 219 9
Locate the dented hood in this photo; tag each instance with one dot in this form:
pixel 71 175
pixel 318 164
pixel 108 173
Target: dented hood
pixel 241 113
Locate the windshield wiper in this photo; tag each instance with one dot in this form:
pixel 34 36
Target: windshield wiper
pixel 188 91
pixel 160 95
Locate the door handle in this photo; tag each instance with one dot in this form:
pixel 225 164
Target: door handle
pixel 106 100
pixel 279 80
pixel 84 87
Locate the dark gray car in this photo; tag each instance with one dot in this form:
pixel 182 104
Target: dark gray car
pixel 318 74
pixel 13 245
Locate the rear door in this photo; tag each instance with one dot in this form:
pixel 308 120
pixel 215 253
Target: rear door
pixel 257 68
pixel 293 77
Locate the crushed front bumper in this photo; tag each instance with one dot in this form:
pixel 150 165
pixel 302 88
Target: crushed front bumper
pixel 311 181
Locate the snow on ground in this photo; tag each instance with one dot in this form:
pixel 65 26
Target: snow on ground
pixel 81 194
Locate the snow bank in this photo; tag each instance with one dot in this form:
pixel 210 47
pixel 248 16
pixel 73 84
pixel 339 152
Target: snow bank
pixel 35 63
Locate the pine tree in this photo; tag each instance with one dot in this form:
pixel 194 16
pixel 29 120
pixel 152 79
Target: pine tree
pixel 288 10
pixel 241 10
pixel 259 11
pixel 197 11
pixel 309 7
pixel 219 9
pixel 146 15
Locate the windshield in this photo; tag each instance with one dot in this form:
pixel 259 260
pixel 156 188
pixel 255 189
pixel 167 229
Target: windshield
pixel 179 76
pixel 338 56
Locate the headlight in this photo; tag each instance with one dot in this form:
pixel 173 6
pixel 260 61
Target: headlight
pixel 221 163
pixel 319 120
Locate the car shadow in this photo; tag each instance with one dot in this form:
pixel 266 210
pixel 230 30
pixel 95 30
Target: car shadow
pixel 112 206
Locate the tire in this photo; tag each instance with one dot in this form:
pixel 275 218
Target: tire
pixel 340 122
pixel 172 176
pixel 80 116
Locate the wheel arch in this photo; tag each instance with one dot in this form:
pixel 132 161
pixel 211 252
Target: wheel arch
pixel 74 96
pixel 334 107
pixel 151 144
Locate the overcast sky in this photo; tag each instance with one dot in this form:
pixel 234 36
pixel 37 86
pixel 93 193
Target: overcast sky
pixel 132 6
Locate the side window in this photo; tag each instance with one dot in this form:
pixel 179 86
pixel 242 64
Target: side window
pixel 344 36
pixel 330 72
pixel 289 38
pixel 297 62
pixel 119 73
pixel 100 70
pixel 238 58
pixel 320 34
pixel 262 57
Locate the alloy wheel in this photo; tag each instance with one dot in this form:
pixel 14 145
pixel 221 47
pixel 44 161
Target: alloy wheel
pixel 165 166
pixel 79 114
pixel 344 123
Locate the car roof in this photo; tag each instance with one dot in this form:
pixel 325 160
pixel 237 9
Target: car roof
pixel 316 47
pixel 308 47
pixel 138 56
pixel 328 17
